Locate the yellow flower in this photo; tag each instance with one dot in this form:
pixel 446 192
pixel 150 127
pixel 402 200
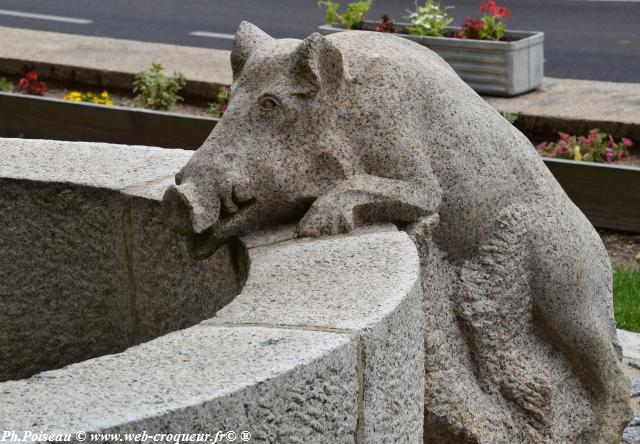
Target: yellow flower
pixel 77 96
pixel 576 153
pixel 74 96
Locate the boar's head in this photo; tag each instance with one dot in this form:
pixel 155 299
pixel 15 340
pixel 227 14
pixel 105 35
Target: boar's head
pixel 273 152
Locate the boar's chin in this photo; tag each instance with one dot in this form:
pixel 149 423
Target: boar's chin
pixel 203 245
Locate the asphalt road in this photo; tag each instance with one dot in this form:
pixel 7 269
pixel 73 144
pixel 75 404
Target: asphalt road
pixel 584 39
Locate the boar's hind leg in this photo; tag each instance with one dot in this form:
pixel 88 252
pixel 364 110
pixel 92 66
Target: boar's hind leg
pixel 573 307
pixel 365 199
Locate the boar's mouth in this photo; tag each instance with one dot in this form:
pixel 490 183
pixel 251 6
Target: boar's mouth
pixel 248 219
pixel 202 245
pixel 206 226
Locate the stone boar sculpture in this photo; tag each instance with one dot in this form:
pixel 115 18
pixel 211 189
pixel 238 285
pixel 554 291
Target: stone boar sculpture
pixel 362 127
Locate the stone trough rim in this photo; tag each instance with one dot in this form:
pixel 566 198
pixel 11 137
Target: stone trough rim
pixel 406 266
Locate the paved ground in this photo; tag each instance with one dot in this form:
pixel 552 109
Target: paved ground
pixel 585 39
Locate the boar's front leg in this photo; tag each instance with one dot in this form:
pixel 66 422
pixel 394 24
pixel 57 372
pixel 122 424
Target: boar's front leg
pixel 364 199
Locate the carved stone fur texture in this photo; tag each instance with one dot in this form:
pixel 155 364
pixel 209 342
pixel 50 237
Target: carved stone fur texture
pixel 333 132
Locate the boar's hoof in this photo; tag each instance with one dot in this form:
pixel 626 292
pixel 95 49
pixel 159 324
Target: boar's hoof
pixel 320 221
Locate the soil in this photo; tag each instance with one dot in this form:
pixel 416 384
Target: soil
pixel 127 101
pixel 623 248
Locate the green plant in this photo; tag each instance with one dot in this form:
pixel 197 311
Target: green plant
pixel 5 85
pixel 490 26
pixel 219 106
pixel 626 298
pixel 429 19
pixel 595 147
pixel 350 18
pixel 155 90
pixel 511 117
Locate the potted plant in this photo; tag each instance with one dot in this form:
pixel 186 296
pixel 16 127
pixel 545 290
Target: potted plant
pixel 489 58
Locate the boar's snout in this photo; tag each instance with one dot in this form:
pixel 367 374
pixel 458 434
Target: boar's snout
pixel 184 211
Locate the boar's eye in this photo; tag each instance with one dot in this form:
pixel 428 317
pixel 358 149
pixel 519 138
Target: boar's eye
pixel 268 102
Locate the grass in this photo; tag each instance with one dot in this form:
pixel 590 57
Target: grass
pixel 626 298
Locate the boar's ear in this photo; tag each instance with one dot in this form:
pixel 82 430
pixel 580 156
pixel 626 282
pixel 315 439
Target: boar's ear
pixel 248 38
pixel 317 64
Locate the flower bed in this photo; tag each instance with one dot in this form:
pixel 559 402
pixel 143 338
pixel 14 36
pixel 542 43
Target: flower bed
pixel 594 147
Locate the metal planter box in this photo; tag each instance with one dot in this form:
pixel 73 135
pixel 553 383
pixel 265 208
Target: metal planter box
pixel 505 68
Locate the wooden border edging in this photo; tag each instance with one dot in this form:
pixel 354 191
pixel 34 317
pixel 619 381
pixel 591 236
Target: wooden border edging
pixel 34 117
pixel 608 195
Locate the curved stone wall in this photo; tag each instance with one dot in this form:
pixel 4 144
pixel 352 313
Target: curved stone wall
pixel 323 342
pixel 87 266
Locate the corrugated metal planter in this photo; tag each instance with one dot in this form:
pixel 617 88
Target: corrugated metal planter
pixel 505 68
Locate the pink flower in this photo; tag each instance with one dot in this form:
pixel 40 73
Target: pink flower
pixel 542 145
pixel 562 149
pixel 564 136
pixel 627 142
pixel 612 141
pixel 624 155
pixel 610 155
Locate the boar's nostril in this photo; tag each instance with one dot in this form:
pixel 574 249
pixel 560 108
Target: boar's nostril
pixel 228 205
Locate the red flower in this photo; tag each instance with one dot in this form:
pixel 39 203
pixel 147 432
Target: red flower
pixel 493 9
pixel 31 85
pixel 503 12
pixel 475 24
pixel 31 76
pixel 488 6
